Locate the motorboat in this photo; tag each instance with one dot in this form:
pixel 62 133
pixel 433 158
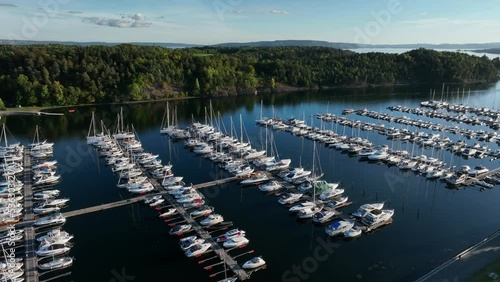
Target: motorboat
pixel 156 202
pixel 377 216
pixel 255 180
pixel 330 193
pixel 197 250
pixel 52 250
pixel 236 242
pixel 180 229
pixel 289 198
pixel 233 233
pixel 194 204
pixel 55 235
pixel 254 263
pixel 366 208
pixel 309 212
pixel 57 263
pixel 355 231
pixel 202 211
pixel 302 206
pixel 42 209
pixel 168 213
pixel 296 173
pixel 339 227
pixel 190 241
pixel 212 220
pixel 142 188
pixel 337 202
pixel 56 218
pixel 479 169
pixel 55 202
pixel 190 198
pixel 270 186
pixel 151 199
pixel 171 180
pixel 325 216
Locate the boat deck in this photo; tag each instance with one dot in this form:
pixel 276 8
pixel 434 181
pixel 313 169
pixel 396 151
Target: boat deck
pixel 470 180
pixel 30 261
pixel 141 198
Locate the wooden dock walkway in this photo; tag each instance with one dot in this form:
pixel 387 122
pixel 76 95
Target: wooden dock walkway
pixel 30 261
pixel 219 251
pixel 141 198
pixel 470 180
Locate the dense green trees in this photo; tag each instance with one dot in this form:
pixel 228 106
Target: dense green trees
pixel 66 75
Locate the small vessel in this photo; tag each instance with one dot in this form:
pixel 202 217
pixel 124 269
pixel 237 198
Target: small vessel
pixel 339 227
pixel 254 263
pixel 309 212
pixel 212 220
pixel 52 250
pixel 270 186
pixel 168 213
pixel 56 218
pixel 366 208
pixel 233 233
pixel 355 231
pixel 236 242
pixel 156 202
pixel 377 216
pixel 325 216
pixel 289 198
pixel 197 250
pixel 180 229
pixel 255 180
pixel 479 169
pixel 204 210
pixel 190 241
pixel 58 263
pixel 337 202
pixel 151 199
pixel 301 206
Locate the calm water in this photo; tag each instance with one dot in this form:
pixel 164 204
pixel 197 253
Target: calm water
pixel 431 222
pixel 403 50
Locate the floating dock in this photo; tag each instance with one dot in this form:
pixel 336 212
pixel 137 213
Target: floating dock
pixel 470 180
pixel 30 261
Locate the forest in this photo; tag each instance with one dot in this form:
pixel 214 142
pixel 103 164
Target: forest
pixel 48 75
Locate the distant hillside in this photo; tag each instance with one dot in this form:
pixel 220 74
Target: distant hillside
pixel 290 43
pixel 276 43
pixel 491 51
pixel 97 43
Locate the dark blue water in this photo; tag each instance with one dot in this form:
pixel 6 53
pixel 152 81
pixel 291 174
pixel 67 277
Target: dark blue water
pixel 431 223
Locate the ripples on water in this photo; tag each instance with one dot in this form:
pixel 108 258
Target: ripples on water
pixel 431 223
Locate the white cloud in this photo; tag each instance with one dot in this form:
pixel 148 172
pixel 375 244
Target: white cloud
pixel 126 21
pixel 237 11
pixel 278 12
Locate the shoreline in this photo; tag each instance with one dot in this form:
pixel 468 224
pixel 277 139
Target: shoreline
pixel 280 89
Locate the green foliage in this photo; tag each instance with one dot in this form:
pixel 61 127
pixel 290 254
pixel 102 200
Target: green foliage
pixel 67 75
pixel 2 106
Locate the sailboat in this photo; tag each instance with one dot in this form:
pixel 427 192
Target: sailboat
pixel 92 137
pixel 121 133
pixel 311 210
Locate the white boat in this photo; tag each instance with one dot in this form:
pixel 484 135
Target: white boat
pixel 156 202
pixel 52 250
pixel 197 250
pixel 479 169
pixel 255 180
pixel 142 188
pixel 289 198
pixel 254 263
pixel 339 227
pixel 171 180
pixel 330 193
pixel 353 232
pixel 298 172
pixel 190 241
pixel 45 210
pixel 55 202
pixel 325 216
pixel 270 186
pixel 377 216
pixel 233 233
pixel 57 263
pixel 379 155
pixel 180 229
pixel 335 203
pixel 53 219
pixel 54 235
pixel 168 213
pixel 302 206
pixel 366 208
pixel 212 220
pixel 236 242
pixel 150 199
pixel 309 212
pixel 204 210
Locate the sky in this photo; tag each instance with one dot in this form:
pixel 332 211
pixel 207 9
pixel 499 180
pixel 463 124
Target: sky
pixel 219 21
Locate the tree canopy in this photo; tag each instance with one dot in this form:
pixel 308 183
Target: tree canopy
pixel 66 75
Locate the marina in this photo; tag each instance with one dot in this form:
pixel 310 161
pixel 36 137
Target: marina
pixel 240 201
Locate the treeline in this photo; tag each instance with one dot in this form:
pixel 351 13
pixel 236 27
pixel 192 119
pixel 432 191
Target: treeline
pixel 67 75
